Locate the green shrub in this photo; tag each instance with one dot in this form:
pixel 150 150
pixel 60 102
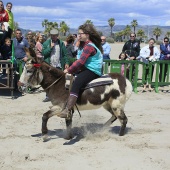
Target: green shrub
pixel 110 40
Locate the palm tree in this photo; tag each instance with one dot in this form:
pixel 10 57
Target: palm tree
pixel 64 28
pixel 141 34
pixel 111 22
pixel 45 23
pixel 88 22
pixel 16 25
pixel 127 30
pixel 168 34
pixel 157 32
pixel 134 24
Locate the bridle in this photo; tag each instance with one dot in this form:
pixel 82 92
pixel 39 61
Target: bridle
pixel 37 66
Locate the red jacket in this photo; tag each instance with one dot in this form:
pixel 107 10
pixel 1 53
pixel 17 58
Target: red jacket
pixel 4 16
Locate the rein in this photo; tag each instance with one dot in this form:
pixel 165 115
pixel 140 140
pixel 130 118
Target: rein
pixel 53 83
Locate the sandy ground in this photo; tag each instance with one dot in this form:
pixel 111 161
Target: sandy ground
pixel 145 146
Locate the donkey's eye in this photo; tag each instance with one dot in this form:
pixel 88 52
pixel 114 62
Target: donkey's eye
pixel 29 71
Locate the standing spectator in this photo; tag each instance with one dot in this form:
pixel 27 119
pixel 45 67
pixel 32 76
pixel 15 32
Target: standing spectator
pixel 55 53
pixel 19 44
pixel 106 48
pixel 20 55
pixel 31 39
pixel 122 56
pixel 38 46
pixel 149 53
pixel 76 42
pixel 3 14
pixel 165 55
pixel 132 49
pixel 11 18
pixel 88 66
pixel 70 48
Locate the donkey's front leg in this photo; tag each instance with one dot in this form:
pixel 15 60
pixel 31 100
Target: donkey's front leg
pixel 44 129
pixel 54 110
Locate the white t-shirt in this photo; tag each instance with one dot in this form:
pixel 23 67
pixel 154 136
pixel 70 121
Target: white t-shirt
pixel 55 56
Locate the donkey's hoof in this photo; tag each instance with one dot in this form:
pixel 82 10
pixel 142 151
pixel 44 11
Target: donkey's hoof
pixel 68 137
pixel 45 138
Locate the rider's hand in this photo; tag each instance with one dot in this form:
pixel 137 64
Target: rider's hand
pixel 65 71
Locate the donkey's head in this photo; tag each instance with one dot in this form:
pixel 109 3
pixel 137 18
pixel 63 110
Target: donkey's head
pixel 31 75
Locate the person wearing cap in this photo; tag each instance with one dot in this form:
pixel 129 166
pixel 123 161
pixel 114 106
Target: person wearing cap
pixel 55 53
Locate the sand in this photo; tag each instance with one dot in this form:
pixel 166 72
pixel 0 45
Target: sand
pixel 145 146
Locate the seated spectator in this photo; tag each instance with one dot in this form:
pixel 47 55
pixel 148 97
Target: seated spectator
pixel 4 32
pixel 70 48
pixel 6 52
pixel 149 53
pixel 106 48
pixel 165 55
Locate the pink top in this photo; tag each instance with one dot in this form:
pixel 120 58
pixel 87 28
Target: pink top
pixel 38 50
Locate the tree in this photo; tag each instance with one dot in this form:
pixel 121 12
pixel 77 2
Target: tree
pixel 88 22
pixel 16 25
pixel 45 23
pixel 168 34
pixel 157 32
pixel 127 31
pixel 134 24
pixel 111 22
pixel 141 34
pixel 64 28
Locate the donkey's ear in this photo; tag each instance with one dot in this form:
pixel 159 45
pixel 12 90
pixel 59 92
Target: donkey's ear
pixel 32 52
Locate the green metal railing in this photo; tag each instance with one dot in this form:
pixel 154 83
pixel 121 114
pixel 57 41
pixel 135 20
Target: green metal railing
pixel 135 71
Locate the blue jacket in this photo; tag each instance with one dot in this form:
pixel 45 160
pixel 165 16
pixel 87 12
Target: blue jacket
pixel 165 52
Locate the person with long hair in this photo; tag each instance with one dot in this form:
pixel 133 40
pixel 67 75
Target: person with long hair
pixel 88 65
pixel 3 14
pixel 38 46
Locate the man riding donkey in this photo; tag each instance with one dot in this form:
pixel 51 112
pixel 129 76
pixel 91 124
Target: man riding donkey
pixel 88 65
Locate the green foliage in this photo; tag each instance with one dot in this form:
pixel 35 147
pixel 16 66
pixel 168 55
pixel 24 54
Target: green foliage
pixel 110 40
pixel 158 42
pixel 63 38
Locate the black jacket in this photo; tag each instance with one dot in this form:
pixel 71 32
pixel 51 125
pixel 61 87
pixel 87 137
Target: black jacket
pixel 132 48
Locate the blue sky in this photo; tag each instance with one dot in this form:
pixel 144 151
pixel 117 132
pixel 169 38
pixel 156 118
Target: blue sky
pixel 30 13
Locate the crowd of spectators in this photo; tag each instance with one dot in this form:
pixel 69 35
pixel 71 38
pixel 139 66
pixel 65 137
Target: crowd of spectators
pixel 61 54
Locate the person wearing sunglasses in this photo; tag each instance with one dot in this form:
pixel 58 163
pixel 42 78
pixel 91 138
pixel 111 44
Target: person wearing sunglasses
pixel 132 50
pixel 165 55
pixel 88 65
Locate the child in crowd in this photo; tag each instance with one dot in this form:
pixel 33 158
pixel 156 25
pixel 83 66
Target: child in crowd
pixel 6 51
pixel 123 56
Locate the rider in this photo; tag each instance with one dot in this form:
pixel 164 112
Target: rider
pixel 87 67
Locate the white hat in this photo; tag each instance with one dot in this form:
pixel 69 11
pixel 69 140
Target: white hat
pixel 6 25
pixel 54 32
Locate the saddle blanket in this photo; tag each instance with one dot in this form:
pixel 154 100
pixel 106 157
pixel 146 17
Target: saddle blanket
pixel 101 81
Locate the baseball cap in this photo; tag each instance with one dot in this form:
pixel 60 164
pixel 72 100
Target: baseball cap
pixel 54 32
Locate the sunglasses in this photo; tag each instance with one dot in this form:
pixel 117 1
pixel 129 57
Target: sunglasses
pixel 165 41
pixel 132 36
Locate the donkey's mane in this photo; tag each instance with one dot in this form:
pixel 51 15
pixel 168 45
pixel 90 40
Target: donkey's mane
pixel 54 71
